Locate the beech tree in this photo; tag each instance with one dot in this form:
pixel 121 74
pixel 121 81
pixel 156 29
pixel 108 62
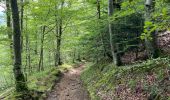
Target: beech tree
pixel 19 77
pixel 40 35
pixel 59 32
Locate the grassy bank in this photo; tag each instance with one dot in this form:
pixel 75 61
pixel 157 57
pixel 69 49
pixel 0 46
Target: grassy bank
pixel 147 80
pixel 40 83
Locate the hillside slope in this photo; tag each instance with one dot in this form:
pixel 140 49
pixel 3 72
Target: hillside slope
pixel 149 80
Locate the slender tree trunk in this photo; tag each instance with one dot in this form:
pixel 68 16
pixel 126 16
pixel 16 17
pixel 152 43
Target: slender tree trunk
pixel 110 13
pixel 19 77
pixel 36 44
pixel 59 34
pixel 119 46
pixel 9 27
pixel 21 21
pixel 29 59
pixel 101 35
pixel 56 51
pixel 59 44
pixel 41 61
pixel 28 56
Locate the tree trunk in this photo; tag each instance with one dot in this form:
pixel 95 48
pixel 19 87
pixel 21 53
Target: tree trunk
pixel 101 35
pixel 28 56
pixel 41 61
pixel 36 44
pixel 59 44
pixel 56 51
pixel 110 13
pixel 9 27
pixel 20 82
pixel 58 35
pixel 21 22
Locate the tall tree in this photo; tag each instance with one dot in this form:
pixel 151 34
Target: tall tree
pixel 56 58
pixel 41 61
pixel 21 21
pixel 101 34
pixel 110 13
pixel 9 27
pixel 59 42
pixel 19 77
pixel 59 31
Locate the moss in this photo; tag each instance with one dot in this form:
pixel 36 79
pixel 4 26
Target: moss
pixel 65 67
pixel 39 81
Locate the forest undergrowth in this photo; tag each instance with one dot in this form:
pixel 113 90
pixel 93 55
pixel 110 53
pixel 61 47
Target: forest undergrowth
pixel 40 39
pixel 39 84
pixel 148 80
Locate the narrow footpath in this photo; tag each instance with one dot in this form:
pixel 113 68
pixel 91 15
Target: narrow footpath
pixel 70 87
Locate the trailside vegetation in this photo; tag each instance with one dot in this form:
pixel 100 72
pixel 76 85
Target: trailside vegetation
pixel 125 44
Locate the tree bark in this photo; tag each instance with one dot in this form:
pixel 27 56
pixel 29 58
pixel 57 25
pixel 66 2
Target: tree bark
pixel 19 77
pixel 59 32
pixel 110 13
pixel 41 61
pixel 9 27
pixel 21 21
pixel 59 44
pixel 56 51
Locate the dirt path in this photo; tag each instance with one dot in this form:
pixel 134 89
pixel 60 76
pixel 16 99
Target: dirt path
pixel 70 87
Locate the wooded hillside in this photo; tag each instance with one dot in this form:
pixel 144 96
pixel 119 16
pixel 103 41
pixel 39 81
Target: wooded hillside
pixel 121 47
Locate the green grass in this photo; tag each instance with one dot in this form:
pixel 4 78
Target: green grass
pixel 102 79
pixel 6 73
pixel 41 82
pixel 65 67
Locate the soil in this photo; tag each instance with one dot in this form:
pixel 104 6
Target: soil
pixel 70 87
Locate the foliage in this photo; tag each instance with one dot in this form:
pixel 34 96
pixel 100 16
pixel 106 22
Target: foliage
pixel 38 84
pixel 84 36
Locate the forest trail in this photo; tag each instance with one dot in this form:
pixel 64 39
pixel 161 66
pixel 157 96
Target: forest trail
pixel 70 87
